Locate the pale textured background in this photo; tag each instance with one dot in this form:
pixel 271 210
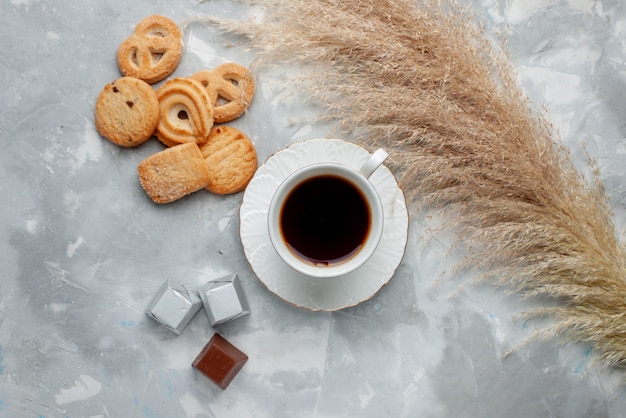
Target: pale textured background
pixel 82 249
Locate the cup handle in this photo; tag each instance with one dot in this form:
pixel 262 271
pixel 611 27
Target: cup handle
pixel 375 161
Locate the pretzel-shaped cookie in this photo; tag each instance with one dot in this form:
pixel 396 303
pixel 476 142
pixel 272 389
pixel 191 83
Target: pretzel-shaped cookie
pixel 153 51
pixel 186 112
pixel 231 87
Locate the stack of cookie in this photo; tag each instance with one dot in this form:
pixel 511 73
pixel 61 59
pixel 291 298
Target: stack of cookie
pixel 181 113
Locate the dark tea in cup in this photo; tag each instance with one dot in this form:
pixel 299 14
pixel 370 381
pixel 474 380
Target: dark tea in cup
pixel 325 219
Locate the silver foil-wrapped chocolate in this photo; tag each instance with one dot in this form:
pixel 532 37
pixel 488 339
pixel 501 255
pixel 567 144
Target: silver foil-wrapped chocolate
pixel 174 305
pixel 223 299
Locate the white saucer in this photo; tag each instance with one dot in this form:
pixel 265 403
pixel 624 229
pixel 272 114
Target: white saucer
pixel 314 293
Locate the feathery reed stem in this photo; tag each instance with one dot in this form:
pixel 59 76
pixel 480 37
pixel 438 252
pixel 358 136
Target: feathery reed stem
pixel 421 80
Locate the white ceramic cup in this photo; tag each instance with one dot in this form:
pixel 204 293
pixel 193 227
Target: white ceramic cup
pixel 358 180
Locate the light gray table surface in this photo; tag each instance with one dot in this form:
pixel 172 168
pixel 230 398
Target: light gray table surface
pixel 83 249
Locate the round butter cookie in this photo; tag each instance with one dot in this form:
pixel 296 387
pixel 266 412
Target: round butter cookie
pixel 231 158
pixel 153 51
pixel 231 88
pixel 127 112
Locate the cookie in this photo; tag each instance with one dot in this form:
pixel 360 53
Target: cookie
pixel 153 51
pixel 127 112
pixel 173 173
pixel 231 159
pixel 231 88
pixel 186 112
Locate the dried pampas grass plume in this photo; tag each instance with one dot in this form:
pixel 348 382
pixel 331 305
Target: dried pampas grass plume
pixel 421 80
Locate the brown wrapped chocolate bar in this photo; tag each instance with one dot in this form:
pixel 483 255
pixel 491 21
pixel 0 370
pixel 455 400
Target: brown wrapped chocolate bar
pixel 220 361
